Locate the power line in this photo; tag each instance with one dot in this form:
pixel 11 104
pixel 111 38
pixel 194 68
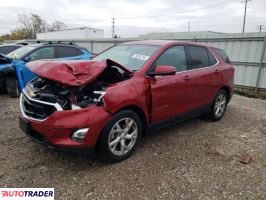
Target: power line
pixel 176 12
pixel 253 9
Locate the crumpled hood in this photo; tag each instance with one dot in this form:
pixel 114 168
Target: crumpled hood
pixel 71 73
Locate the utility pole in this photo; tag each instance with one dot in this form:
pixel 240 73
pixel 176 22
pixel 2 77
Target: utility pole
pixel 113 27
pixel 188 26
pixel 245 13
pixel 260 27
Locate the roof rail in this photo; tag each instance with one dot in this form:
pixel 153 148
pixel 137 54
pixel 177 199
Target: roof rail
pixel 60 42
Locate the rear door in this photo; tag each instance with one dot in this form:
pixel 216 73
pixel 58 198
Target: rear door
pixel 205 76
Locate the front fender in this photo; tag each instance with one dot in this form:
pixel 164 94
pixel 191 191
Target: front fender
pixel 18 66
pixel 128 93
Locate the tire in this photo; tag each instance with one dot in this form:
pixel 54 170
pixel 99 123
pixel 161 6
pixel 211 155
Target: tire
pixel 124 129
pixel 219 105
pixel 12 86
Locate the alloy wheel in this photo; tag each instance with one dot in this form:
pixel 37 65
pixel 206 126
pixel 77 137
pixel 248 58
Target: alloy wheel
pixel 220 105
pixel 123 136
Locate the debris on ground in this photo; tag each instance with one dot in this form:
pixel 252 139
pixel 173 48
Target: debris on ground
pixel 245 158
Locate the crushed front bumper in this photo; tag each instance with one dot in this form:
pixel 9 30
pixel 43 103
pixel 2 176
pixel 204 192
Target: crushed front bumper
pixel 56 130
pixel 41 139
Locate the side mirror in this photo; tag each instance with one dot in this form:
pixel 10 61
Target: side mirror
pixel 163 71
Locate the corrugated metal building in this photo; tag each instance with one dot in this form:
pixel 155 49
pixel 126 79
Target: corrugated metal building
pixel 83 33
pixel 245 50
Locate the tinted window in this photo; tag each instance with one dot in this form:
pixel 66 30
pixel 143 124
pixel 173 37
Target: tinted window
pixel 43 53
pixel 198 57
pixel 175 57
pixel 64 51
pixel 222 55
pixel 8 49
pixel 212 60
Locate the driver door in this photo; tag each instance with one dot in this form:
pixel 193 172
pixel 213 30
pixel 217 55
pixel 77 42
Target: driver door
pixel 171 94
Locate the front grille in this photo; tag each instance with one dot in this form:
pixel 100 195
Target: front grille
pixel 36 110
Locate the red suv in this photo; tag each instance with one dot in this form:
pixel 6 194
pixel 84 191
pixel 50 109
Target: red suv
pixel 108 103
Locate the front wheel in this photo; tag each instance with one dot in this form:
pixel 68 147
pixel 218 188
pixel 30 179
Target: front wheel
pixel 12 86
pixel 219 105
pixel 120 137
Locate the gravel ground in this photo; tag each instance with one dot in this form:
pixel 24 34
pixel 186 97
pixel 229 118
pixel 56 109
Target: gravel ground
pixel 197 159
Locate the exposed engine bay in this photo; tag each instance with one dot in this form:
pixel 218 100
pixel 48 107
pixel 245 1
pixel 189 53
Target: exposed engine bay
pixel 75 97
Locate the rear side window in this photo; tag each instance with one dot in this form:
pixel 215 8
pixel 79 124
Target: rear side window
pixel 222 55
pixel 65 51
pixel 175 57
pixel 198 57
pixel 212 60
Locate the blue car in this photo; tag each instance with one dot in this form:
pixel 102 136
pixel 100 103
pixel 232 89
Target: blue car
pixel 13 71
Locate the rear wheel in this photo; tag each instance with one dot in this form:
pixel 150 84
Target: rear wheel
pixel 12 86
pixel 120 137
pixel 219 105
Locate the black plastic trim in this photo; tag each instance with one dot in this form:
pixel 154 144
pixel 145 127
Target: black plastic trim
pixel 180 118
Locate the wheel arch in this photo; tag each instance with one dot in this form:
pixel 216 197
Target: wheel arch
pixel 139 112
pixel 227 90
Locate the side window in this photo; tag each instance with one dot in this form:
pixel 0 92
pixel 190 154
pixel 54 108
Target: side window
pixel 65 51
pixel 175 57
pixel 43 53
pixel 198 57
pixel 212 60
pixel 222 55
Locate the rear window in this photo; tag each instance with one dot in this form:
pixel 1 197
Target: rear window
pixel 8 49
pixel 222 55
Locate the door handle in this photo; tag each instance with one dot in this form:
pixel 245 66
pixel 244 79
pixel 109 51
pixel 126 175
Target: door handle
pixel 186 78
pixel 217 71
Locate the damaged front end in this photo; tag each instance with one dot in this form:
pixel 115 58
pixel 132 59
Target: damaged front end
pixel 68 86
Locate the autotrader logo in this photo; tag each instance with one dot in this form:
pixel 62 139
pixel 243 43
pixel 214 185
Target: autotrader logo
pixel 27 193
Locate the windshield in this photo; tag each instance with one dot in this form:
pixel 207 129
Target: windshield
pixel 19 53
pixel 132 56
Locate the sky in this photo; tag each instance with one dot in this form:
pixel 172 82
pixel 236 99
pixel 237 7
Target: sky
pixel 133 18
